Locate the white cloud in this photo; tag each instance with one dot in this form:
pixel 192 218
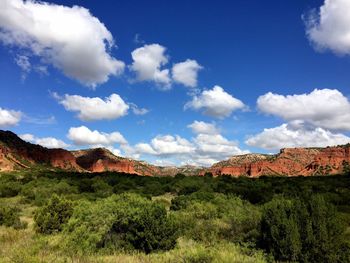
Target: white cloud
pixel 186 72
pixel 68 38
pixel 40 120
pixel 215 103
pixel 287 136
pixel 9 117
pixel 328 109
pixel 329 28
pixel 147 63
pixel 48 142
pixel 92 109
pixel 84 136
pixel 169 145
pixel 113 150
pixel 204 149
pixel 138 111
pixel 27 137
pixel 22 61
pixel 162 162
pixel 164 146
pixel 216 144
pixel 145 148
pixel 203 127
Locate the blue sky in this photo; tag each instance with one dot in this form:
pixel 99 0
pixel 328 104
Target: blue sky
pixel 176 82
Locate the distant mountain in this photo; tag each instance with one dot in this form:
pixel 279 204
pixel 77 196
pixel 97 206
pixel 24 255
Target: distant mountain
pixel 289 162
pixel 16 154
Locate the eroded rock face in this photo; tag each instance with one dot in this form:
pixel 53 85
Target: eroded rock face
pixel 18 154
pixel 289 162
pixel 101 160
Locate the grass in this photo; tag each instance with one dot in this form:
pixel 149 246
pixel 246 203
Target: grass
pixel 25 246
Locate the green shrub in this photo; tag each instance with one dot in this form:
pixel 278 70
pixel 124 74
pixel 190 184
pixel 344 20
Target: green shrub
pixel 9 216
pixel 51 217
pixel 181 202
pixel 221 217
pixel 126 221
pixel 101 188
pixel 303 231
pixel 9 189
pixel 279 228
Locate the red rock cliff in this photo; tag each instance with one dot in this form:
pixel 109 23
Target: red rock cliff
pixel 289 162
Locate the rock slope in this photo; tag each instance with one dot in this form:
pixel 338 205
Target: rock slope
pixel 289 162
pixel 16 154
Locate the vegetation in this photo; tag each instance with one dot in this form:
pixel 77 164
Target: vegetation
pixel 51 217
pixel 129 222
pixel 304 231
pixel 112 217
pixel 9 217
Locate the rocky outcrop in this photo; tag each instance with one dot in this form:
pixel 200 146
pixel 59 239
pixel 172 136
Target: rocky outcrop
pixel 289 162
pixel 17 154
pixel 101 160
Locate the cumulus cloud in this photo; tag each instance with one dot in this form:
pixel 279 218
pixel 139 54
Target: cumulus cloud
pixel 48 142
pixel 92 109
pixel 170 145
pixel 9 117
pixel 145 148
pixel 186 72
pixel 287 136
pixel 138 111
pixel 329 27
pixel 328 109
pixel 215 103
pixel 147 63
pixel 84 136
pixel 216 144
pixel 208 147
pixel 68 38
pixel 201 127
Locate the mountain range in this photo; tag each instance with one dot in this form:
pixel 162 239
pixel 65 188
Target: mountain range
pixel 16 154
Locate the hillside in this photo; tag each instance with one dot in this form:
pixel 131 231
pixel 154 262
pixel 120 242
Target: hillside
pixel 289 162
pixel 16 154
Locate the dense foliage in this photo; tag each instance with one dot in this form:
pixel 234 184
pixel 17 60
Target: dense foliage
pixel 127 221
pixel 51 217
pixel 9 216
pixel 289 219
pixel 304 231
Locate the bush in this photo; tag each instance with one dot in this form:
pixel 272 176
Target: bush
pixel 303 231
pixel 101 188
pixel 181 202
pixel 9 189
pixel 220 217
pixel 9 216
pixel 279 228
pixel 51 217
pixel 129 222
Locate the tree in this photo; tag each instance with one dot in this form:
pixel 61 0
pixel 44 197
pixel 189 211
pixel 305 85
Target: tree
pixel 303 230
pixel 126 221
pixel 51 217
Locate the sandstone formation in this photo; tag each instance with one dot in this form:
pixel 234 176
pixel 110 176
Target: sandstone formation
pixel 16 154
pixel 289 162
